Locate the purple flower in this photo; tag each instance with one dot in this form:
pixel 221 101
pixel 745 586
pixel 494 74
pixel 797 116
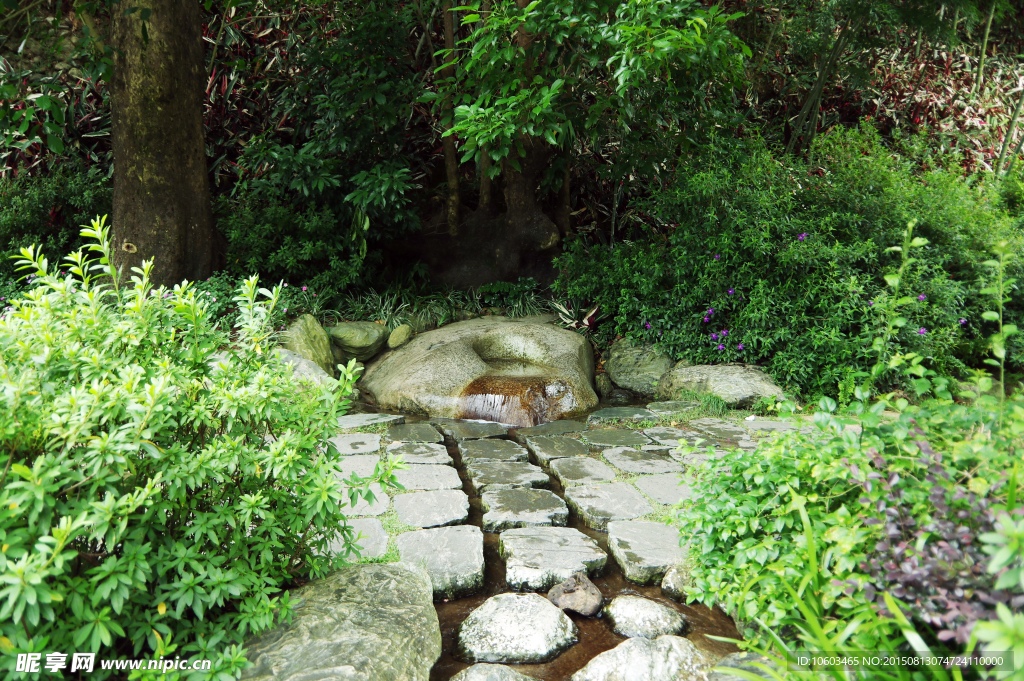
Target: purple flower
pixel 802 236
pixel 286 284
pixel 647 325
pixel 286 309
pixel 922 297
pixel 303 288
pixel 706 320
pixel 717 257
pixel 730 292
pixel 922 331
pixel 714 336
pixel 870 303
pixel 739 346
pixel 721 347
pixel 711 310
pixel 962 321
pixel 725 332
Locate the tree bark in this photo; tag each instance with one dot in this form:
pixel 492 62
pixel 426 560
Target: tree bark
pixel 451 159
pixel 524 217
pixel 563 213
pixel 161 202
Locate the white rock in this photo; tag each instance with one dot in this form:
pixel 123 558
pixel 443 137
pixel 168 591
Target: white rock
pixel 641 659
pixel 636 616
pixel 515 628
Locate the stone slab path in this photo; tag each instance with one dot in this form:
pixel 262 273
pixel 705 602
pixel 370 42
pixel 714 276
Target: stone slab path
pixel 540 557
pixel 432 509
pixel 374 540
pixel 362 420
pixel 452 556
pixel 362 465
pixel 673 436
pixel 614 414
pixel 636 461
pixel 601 504
pixel 491 450
pixel 670 408
pixel 644 550
pixel 566 427
pixel 581 470
pixel 664 488
pixel 356 443
pixel 545 448
pixel 615 437
pixel 414 432
pixel 472 430
pixel 420 453
pixel 428 476
pixel 378 507
pixel 488 476
pixel 508 508
pixel 718 428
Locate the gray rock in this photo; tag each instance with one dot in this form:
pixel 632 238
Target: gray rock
pixel 620 396
pixel 641 659
pixel 519 373
pixel 616 414
pixel 490 672
pixel 599 505
pixel 487 476
pixel 420 453
pixel 763 427
pixel 747 661
pixel 362 420
pixel 414 432
pixel 636 461
pixel 739 385
pixel 672 437
pixel 637 616
pixel 491 450
pixel 644 550
pixel 515 628
pixel 400 336
pixel 374 540
pixel 717 428
pixel 356 443
pixel 363 465
pixel 669 408
pixel 578 594
pixel 361 340
pixel 306 371
pixel 539 557
pixel 581 470
pixel 615 437
pixel 428 477
pixel 665 488
pixel 378 506
pixel 661 449
pixel 360 622
pixel 673 584
pixel 307 339
pixel 563 427
pixel 452 556
pixel 468 430
pixel 638 368
pixel 546 448
pixel 435 508
pixel 604 385
pixel 508 508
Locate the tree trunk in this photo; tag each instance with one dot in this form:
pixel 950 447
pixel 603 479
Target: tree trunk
pixel 524 219
pixel 563 213
pixel 486 204
pixel 451 160
pixel 161 188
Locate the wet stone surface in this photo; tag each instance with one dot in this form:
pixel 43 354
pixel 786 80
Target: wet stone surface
pixel 508 508
pixel 598 505
pixel 515 628
pixel 467 430
pixel 665 435
pixel 432 509
pixel 452 556
pixel 666 657
pixel 420 453
pixel 669 408
pixel 362 465
pixel 538 558
pixel 428 476
pixel 720 429
pixel 615 437
pixel 551 428
pixel 362 420
pixel 636 461
pixel 664 488
pixel 414 432
pixel 491 450
pixel 545 448
pixel 483 671
pixel 644 550
pixel 487 476
pixel 637 616
pixel 356 443
pixel 373 543
pixel 613 414
pixel 581 470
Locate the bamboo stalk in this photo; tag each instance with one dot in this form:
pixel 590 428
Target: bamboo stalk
pixel 1007 140
pixel 984 46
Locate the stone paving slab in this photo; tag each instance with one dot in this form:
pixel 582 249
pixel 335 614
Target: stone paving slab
pixel 718 428
pixel 362 420
pixel 516 629
pixel 643 549
pixel 601 504
pixel 664 488
pixel 414 432
pixel 429 477
pixel 540 557
pixel 766 427
pixel 420 453
pixel 508 508
pixel 363 507
pixel 669 408
pixel 581 470
pixel 546 448
pixel 435 508
pixel 472 430
pixel 452 556
pixel 362 465
pixel 612 414
pixel 663 449
pixel 672 437
pixel 486 476
pixel 698 458
pixel 615 437
pixel 635 461
pixel 374 542
pixel 356 443
pixel 491 450
pixel 564 427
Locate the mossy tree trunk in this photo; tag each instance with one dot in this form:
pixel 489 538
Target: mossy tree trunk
pixel 161 188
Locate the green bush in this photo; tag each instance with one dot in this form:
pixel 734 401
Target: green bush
pixel 161 477
pixel 787 258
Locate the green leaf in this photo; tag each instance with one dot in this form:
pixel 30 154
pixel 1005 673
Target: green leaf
pixel 991 316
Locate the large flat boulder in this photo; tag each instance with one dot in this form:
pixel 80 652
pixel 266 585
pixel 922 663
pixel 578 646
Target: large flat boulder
pixel 361 340
pixel 515 628
pixel 362 622
pixel 541 557
pixel 739 385
pixel 519 373
pixel 636 367
pixel 307 339
pixel 305 370
pixel 452 556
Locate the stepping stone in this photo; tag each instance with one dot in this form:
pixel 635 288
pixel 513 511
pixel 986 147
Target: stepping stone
pixel 490 672
pixel 545 448
pixel 581 470
pixel 632 616
pixel 356 443
pixel 470 430
pixel 614 437
pixel 664 488
pixel 374 542
pixel 723 430
pixel 452 556
pixel 491 450
pixel 644 550
pixel 538 558
pixel 363 507
pixel 362 420
pixel 698 458
pixel 414 432
pixel 635 461
pixel 420 453
pixel 508 508
pixel 515 629
pixel 601 504
pixel 488 477
pixel 432 509
pixel 429 476
pixel 763 427
pixel 666 657
pixel 613 414
pixel 362 465
pixel 663 449
pixel 669 408
pixel 674 583
pixel 550 428
pixel 672 437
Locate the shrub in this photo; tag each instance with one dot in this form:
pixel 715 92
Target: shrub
pixel 161 477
